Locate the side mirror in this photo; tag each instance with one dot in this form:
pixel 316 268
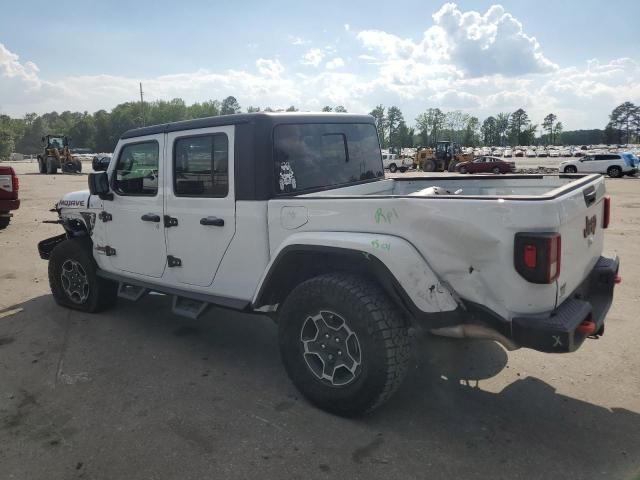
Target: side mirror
pixel 99 185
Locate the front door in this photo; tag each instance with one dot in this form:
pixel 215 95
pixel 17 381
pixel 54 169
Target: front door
pixel 586 164
pixel 135 229
pixel 199 202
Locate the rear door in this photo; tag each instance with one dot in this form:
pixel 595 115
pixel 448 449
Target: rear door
pixel 601 163
pixel 200 204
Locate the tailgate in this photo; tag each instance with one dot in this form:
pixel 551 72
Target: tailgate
pixel 581 226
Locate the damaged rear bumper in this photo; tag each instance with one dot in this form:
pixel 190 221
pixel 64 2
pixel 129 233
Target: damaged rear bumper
pixel 565 328
pixel 557 331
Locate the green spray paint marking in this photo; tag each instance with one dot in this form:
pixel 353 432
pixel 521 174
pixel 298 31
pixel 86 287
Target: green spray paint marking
pixel 381 245
pixel 385 217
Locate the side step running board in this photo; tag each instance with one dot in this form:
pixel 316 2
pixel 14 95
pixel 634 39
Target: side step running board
pixel 131 292
pixel 187 307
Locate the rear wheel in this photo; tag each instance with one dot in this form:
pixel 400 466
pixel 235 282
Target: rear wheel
pixel 4 221
pixel 570 169
pixel 402 169
pixel 429 166
pixel 344 344
pixel 73 279
pixel 614 171
pixel 393 168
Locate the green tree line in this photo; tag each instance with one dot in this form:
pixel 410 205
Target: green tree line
pixel 101 130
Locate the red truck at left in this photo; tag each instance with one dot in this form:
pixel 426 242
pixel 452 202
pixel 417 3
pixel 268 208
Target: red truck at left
pixel 9 186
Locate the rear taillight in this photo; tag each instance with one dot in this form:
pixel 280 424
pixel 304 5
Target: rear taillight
pixel 537 256
pixel 606 214
pixel 15 183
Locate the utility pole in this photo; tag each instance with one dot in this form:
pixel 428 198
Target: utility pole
pixel 142 103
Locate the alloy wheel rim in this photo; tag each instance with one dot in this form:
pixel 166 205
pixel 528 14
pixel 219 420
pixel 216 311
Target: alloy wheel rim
pixel 74 281
pixel 331 349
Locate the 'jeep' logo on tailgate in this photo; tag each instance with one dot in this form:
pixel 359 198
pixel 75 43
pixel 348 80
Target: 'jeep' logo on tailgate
pixel 590 226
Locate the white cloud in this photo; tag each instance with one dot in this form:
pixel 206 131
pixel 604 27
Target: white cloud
pixel 297 40
pixel 313 57
pixel 346 27
pixel 491 43
pixel 482 63
pixel 335 63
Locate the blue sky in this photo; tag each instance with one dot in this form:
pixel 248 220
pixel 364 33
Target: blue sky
pixel 578 59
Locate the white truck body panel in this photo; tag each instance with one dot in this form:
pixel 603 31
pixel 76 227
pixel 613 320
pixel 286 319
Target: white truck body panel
pixel 462 245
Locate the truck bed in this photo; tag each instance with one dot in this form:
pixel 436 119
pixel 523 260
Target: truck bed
pixel 522 187
pixel 468 239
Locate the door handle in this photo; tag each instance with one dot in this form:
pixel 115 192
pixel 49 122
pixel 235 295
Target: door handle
pixel 150 217
pixel 215 221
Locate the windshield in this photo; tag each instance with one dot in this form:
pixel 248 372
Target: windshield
pixel 56 142
pixel 309 156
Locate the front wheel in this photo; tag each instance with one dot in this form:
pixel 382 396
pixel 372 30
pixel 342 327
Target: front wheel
pixel 393 168
pixel 52 167
pixel 73 279
pixel 614 172
pixel 496 170
pixel 570 169
pixel 344 344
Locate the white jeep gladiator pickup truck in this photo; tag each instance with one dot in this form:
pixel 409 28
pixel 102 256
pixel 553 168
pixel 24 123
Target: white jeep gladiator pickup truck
pixel 290 215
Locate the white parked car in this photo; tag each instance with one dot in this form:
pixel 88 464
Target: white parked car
pixel 612 164
pixel 508 153
pixel 530 153
pixel 553 153
pixel 393 162
pixel 345 261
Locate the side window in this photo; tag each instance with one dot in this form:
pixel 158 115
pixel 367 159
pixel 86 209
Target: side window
pixel 201 166
pixel 136 172
pixel 588 158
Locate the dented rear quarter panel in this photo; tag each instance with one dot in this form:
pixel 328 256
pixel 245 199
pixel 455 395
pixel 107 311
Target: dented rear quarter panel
pixel 466 242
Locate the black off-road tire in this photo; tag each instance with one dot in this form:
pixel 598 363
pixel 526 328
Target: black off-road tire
pixel 52 168
pixel 614 172
pixel 4 222
pixel 393 168
pixel 402 169
pixel 102 293
pixel 380 329
pixel 429 166
pixel 570 169
pixel 42 166
pixel 463 170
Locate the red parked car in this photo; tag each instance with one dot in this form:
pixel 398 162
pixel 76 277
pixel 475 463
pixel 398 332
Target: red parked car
pixel 486 164
pixel 8 195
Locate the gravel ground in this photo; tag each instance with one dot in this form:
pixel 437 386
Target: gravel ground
pixel 138 393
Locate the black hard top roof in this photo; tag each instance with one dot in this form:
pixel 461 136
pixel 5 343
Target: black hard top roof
pixel 267 118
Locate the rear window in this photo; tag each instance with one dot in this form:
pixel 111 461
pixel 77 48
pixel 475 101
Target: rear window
pixel 312 156
pixel 630 159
